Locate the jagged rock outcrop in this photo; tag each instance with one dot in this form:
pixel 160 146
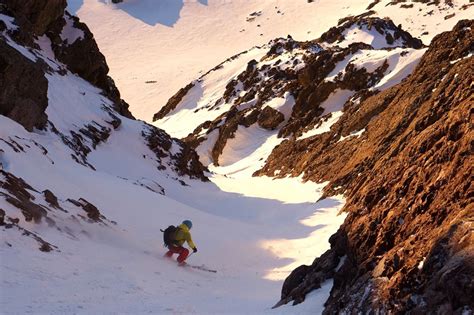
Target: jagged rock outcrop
pixel 18 193
pixel 294 87
pixel 185 161
pixel 384 27
pixel 173 102
pixel 83 57
pixel 71 41
pixel 23 89
pixel 270 118
pixel 92 212
pixel 407 244
pixel 2 217
pixel 19 197
pixel 176 99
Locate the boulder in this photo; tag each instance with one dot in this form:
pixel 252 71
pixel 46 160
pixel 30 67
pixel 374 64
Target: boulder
pixel 270 118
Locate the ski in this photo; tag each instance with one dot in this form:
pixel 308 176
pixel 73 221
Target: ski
pixel 203 268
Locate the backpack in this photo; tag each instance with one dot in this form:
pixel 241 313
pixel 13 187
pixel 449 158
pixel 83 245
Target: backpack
pixel 169 235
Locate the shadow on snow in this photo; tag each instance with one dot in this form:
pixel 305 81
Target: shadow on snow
pixel 151 12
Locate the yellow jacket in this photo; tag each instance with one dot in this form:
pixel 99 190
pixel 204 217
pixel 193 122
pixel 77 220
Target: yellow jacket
pixel 183 235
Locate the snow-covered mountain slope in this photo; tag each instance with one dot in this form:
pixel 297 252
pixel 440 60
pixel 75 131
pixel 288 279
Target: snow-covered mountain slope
pixel 176 41
pixel 85 187
pixel 249 104
pixel 84 191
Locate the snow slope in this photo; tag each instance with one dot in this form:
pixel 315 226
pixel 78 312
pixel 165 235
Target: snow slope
pixel 253 231
pixel 245 237
pixel 175 41
pixel 242 234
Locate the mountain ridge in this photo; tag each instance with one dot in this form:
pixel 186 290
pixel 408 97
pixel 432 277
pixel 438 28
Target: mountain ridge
pixel 182 53
pixel 291 88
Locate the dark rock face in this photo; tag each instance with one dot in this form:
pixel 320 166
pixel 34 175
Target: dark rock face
pixel 407 242
pixel 36 15
pixel 186 162
pixel 92 212
pixel 312 89
pixel 88 137
pixel 51 199
pixel 2 217
pixel 270 118
pixel 23 89
pixel 173 102
pixel 233 119
pixel 21 195
pixel 21 198
pixel 36 18
pixel 84 58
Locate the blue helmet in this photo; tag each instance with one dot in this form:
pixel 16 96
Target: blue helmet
pixel 188 223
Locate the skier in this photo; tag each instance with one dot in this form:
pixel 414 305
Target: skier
pixel 181 235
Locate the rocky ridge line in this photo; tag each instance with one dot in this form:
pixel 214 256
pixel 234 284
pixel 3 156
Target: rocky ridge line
pixel 407 245
pixel 298 72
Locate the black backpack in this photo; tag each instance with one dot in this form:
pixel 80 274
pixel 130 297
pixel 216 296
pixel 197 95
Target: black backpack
pixel 169 235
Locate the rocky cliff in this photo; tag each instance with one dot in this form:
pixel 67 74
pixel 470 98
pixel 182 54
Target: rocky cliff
pixel 290 88
pixel 407 245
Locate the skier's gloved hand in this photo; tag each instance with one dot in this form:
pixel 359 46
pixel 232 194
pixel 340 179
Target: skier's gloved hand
pixel 195 250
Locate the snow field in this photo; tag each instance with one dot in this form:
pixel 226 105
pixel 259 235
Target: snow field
pixel 173 52
pixel 240 234
pixel 175 42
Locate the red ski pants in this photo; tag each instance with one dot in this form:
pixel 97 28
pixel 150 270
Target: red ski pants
pixel 183 253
